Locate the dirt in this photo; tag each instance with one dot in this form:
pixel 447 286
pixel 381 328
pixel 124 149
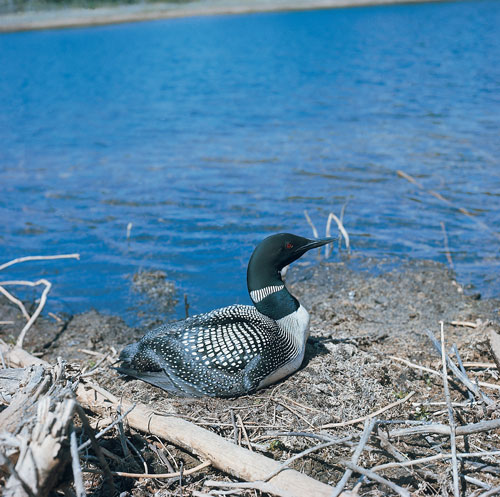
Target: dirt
pixel 363 311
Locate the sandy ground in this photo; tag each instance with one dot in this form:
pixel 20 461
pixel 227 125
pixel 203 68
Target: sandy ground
pixel 362 313
pixel 65 18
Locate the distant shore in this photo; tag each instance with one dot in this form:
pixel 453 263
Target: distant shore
pixel 74 17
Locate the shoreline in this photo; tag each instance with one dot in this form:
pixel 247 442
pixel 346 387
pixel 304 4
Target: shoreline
pixel 82 17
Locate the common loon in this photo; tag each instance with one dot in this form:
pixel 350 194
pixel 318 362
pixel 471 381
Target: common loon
pixel 237 349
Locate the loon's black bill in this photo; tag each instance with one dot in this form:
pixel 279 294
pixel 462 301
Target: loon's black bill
pixel 317 243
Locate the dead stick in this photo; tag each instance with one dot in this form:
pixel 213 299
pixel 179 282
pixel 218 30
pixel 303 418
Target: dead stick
pixel 38 258
pixel 437 373
pixel 121 431
pixel 368 428
pixel 451 419
pixel 235 427
pixel 372 415
pixel 35 315
pixel 97 449
pixel 16 301
pixel 463 378
pixel 446 247
pixel 462 368
pixel 490 492
pixel 75 464
pixel 374 476
pixel 437 457
pixel 176 474
pixel 109 427
pixel 342 230
pixel 245 434
pixel 440 429
pixel 466 324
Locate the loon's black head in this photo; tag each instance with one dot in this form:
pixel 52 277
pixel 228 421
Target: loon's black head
pixel 274 253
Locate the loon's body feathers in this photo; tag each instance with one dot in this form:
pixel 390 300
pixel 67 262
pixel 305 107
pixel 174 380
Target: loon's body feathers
pixel 237 349
pixel 226 352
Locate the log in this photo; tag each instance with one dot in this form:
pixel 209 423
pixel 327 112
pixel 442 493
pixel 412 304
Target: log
pixel 223 454
pixel 34 430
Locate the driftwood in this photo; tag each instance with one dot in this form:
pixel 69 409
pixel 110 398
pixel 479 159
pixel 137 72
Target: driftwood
pixel 34 430
pixel 494 342
pixel 223 455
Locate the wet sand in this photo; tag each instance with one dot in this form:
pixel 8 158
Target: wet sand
pixel 66 18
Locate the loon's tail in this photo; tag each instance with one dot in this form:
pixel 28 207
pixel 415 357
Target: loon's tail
pixel 162 378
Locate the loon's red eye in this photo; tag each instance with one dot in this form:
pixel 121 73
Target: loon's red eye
pixel 289 245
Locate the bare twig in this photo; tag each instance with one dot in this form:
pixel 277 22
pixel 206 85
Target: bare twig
pixel 108 428
pixel 440 429
pixel 235 427
pixel 97 448
pixel 372 415
pixel 458 374
pixel 16 301
pixel 185 472
pixel 341 228
pixel 437 373
pixel 368 428
pixel 462 368
pixel 451 419
pixel 490 492
pixel 466 324
pixel 121 431
pixel 35 315
pixel 374 476
pixel 311 224
pixel 38 258
pixel 75 463
pixel 437 457
pixel 245 434
pixel 446 247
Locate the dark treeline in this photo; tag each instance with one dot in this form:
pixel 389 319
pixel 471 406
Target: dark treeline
pixel 12 6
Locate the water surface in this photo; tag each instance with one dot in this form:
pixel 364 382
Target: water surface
pixel 209 133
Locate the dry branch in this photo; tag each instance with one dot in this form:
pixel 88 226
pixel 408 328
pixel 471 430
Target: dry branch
pixel 38 310
pixel 373 476
pixel 38 258
pixel 341 228
pixel 174 474
pixel 368 428
pixel 458 374
pixel 451 419
pixel 38 420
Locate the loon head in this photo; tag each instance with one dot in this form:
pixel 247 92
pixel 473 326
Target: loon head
pixel 270 257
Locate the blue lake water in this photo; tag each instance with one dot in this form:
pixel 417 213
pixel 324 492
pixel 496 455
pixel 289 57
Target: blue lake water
pixel 209 133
